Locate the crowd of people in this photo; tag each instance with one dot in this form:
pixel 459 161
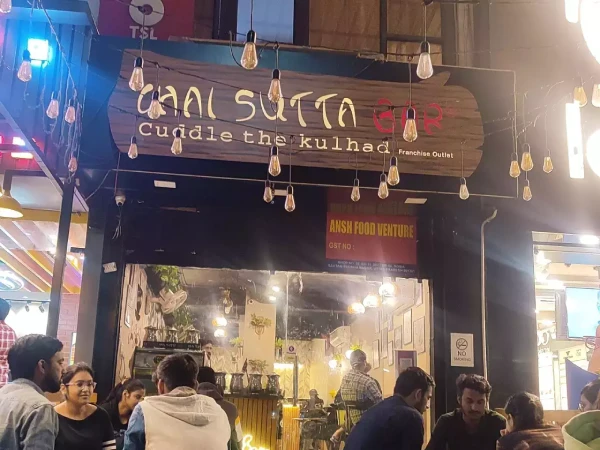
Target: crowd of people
pixel 190 411
pixel 396 423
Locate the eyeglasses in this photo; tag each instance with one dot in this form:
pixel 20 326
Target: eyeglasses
pixel 83 384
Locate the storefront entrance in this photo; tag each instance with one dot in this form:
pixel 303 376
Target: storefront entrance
pixel 274 339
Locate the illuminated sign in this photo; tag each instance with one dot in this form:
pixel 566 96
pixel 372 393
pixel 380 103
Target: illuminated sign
pixel 246 443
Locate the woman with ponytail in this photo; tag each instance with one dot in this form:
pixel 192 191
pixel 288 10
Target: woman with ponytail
pixel 120 404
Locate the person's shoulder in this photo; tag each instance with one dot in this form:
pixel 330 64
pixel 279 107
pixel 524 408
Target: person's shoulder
pixel 449 417
pixel 496 418
pixel 99 414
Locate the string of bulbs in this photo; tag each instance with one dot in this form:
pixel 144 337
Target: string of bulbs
pixel 249 61
pixel 25 74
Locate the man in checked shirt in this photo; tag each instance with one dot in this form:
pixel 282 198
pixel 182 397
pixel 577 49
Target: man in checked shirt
pixel 7 340
pixel 358 391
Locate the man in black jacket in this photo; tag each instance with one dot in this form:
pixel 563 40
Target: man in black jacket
pixel 397 422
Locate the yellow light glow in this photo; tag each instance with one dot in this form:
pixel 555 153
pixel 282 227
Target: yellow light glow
pixel 246 443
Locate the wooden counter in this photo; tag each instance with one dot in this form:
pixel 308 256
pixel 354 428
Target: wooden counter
pixel 259 417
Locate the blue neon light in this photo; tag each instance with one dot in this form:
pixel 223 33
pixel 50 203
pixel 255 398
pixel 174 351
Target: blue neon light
pixel 40 50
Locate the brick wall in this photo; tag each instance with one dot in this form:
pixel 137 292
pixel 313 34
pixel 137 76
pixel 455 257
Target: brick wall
pixel 67 321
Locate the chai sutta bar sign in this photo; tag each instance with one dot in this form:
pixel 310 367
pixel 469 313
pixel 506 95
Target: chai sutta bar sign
pixel 372 244
pixel 225 115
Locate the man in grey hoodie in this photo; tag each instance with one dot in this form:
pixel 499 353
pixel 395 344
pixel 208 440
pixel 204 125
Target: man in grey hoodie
pixel 178 417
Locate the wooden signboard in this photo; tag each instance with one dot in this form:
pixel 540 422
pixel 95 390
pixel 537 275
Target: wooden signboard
pixel 225 115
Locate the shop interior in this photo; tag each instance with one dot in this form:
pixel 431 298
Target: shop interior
pixel 567 291
pixel 274 337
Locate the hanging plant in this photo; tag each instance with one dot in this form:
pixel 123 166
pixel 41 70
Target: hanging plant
pixel 237 342
pixel 259 323
pixel 163 277
pixel 257 365
pixel 279 343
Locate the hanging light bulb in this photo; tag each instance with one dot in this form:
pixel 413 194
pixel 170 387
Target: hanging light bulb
pixel 268 195
pixel 596 95
pixel 249 59
pixel 463 192
pixel 177 146
pixel 136 82
pixel 275 89
pixel 5 6
pixel 393 177
pixel 425 68
pixel 70 114
pixel 355 195
pixel 527 192
pixel 24 73
pixel 515 170
pixel 274 164
pixel 155 109
pixel 526 159
pixel 72 165
pixel 290 203
pixel 383 192
pixel 579 96
pixel 133 148
pixel 410 127
pixel 548 166
pixel 53 108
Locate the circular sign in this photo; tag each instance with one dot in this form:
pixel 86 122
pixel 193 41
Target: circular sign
pixel 462 344
pixel 291 349
pixel 147 12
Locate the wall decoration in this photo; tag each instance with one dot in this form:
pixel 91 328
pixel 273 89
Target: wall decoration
pixel 418 293
pixel 384 347
pixel 419 333
pixel 407 325
pixel 398 338
pixel 406 359
pixel 391 359
pixel 259 323
pixel 376 354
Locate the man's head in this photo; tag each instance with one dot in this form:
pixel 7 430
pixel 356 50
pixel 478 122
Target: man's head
pixel 206 375
pixel 37 358
pixel 473 393
pixel 207 346
pixel 313 393
pixel 358 361
pixel 415 386
pixel 177 370
pixel 4 309
pixel 589 396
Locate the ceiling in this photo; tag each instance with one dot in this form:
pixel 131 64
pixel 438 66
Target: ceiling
pixel 27 248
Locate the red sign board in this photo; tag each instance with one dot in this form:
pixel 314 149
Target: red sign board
pixel 150 19
pixel 372 243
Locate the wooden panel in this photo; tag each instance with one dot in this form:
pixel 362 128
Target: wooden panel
pixel 291 428
pixel 203 19
pixel 345 24
pixel 256 420
pixel 406 17
pixel 397 49
pixel 328 135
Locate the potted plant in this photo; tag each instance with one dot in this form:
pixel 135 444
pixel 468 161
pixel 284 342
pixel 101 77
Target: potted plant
pixel 259 323
pixel 278 348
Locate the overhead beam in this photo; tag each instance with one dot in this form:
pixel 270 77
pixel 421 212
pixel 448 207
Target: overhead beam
pixel 33 282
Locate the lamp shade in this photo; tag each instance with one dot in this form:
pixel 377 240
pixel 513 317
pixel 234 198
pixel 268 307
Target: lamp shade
pixel 9 207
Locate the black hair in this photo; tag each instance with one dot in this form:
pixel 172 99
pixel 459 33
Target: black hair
pixel 24 355
pixel 178 370
pixel 73 370
pixel 474 382
pixel 204 342
pixel 206 375
pixel 130 385
pixel 526 410
pixel 413 379
pixel 4 308
pixel 591 390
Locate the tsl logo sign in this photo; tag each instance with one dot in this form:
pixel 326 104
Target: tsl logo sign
pixel 147 19
pixel 335 121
